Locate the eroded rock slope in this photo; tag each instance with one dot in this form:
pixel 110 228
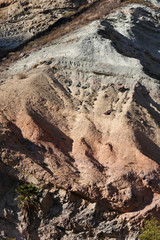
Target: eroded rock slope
pixel 80 119
pixel 24 19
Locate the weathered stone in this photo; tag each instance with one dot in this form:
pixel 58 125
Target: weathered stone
pixel 80 119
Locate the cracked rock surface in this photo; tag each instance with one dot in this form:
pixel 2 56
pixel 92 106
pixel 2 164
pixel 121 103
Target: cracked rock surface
pixel 22 20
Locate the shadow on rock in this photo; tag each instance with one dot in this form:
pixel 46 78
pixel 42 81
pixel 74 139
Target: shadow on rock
pixel 145 35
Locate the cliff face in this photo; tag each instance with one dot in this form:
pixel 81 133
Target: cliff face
pixel 80 119
pixel 25 19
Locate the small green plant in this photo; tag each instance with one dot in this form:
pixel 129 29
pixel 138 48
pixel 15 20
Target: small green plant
pixel 29 195
pixel 29 202
pixel 151 230
pixel 10 238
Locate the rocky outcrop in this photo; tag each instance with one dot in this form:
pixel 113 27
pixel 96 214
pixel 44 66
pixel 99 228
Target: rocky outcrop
pixel 106 47
pixel 80 119
pixel 22 20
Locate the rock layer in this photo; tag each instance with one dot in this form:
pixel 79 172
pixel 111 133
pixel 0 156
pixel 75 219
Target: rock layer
pixel 80 119
pixel 25 19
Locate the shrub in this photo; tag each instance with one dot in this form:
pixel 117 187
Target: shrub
pixel 151 230
pixel 29 202
pixel 28 195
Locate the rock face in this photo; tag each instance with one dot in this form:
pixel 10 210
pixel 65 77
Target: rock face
pixel 22 20
pixel 80 119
